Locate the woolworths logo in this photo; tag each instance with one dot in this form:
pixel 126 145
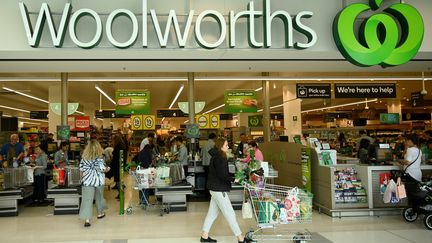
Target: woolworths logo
pixel 389 38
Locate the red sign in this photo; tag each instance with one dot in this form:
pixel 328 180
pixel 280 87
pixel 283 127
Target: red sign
pixel 82 123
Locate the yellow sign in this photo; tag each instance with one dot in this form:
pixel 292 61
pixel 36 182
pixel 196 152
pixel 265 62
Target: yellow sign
pixel 143 122
pixel 214 121
pixel 208 121
pixel 202 121
pixel 137 122
pixel 149 122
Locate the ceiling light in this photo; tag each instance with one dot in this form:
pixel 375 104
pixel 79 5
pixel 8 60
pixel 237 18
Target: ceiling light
pixel 337 106
pixel 100 119
pixel 214 109
pixel 259 89
pixel 177 95
pixel 126 79
pixel 104 94
pixel 26 95
pixel 79 112
pixel 30 119
pixel 15 109
pixel 274 86
pixel 186 121
pixel 163 119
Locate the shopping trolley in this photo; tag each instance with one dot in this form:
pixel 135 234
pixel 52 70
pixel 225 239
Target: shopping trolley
pixel 274 208
pixel 143 183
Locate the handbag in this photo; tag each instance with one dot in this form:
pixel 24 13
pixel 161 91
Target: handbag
pixel 390 189
pixel 400 189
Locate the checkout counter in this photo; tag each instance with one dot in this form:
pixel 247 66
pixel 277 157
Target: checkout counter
pixel 66 199
pixel 9 200
pixel 353 189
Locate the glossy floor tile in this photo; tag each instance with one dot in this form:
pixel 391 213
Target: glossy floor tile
pixel 38 224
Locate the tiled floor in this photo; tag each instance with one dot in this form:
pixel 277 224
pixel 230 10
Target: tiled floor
pixel 37 224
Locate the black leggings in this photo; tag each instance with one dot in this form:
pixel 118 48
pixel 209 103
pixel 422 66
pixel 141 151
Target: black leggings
pixel 39 187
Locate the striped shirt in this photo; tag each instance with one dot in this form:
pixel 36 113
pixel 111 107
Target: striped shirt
pixel 92 172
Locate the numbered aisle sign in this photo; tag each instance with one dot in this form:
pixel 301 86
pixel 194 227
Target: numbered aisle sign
pixel 137 122
pixel 202 121
pixel 143 122
pixel 149 122
pixel 214 121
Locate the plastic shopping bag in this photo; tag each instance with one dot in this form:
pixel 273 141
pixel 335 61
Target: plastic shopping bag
pixel 400 189
pixel 292 204
pixel 390 190
pixel 247 210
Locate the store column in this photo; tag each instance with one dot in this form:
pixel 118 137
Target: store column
pixel 54 96
pixel 395 106
pixel 191 100
pixel 266 109
pixel 291 111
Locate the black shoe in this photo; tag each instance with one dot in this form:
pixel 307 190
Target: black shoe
pixel 207 240
pixel 87 224
pixel 246 240
pixel 118 197
pixel 101 216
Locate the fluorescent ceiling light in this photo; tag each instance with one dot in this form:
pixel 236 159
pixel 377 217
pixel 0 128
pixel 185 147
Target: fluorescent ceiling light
pixel 163 119
pixel 29 79
pixel 126 79
pixel 104 94
pixel 214 109
pixel 31 123
pixel 259 89
pixel 100 119
pixel 29 119
pixel 79 112
pixel 338 106
pixel 177 95
pixel 186 121
pixel 26 95
pixel 15 109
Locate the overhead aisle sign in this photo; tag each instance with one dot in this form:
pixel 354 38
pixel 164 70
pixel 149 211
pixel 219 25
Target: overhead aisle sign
pixel 241 101
pixel 143 122
pixel 208 121
pixel 133 102
pixel 365 90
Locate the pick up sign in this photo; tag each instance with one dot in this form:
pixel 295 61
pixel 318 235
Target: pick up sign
pixel 313 91
pixel 365 90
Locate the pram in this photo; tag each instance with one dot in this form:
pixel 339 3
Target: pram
pixel 420 202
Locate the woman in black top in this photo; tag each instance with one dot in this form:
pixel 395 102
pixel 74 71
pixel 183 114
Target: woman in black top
pixel 115 162
pixel 219 183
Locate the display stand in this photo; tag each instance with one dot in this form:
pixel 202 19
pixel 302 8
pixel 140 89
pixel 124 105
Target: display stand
pixel 66 199
pixel 9 200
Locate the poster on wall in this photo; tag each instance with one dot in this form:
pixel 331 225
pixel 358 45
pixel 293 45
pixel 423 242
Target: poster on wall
pixel 241 101
pixel 133 102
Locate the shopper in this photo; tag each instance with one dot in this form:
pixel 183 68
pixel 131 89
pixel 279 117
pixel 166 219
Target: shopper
pixel 363 135
pixel 40 163
pixel 258 154
pixel 219 183
pixel 363 152
pixel 61 156
pixel 182 155
pixel 206 157
pixel 412 159
pixel 115 162
pixel 12 151
pixel 144 159
pixel 92 167
pixel 46 141
pixel 242 146
pixel 147 140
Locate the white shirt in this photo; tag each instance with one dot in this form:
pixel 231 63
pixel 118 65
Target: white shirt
pixel 413 170
pixel 144 142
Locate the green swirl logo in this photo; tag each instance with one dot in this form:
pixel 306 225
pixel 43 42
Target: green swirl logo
pixel 380 40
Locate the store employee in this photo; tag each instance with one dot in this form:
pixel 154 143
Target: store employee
pixel 12 150
pixel 61 156
pixel 182 155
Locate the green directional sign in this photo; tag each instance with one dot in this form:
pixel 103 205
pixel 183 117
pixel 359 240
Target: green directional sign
pixel 192 131
pixel 241 101
pixel 133 102
pixel 388 38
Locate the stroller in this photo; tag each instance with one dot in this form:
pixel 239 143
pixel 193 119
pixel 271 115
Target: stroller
pixel 420 202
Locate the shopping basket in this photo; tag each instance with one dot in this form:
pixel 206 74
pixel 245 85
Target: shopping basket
pixel 275 207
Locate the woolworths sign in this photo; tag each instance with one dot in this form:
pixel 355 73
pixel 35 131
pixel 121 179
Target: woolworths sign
pixel 294 25
pixel 389 38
